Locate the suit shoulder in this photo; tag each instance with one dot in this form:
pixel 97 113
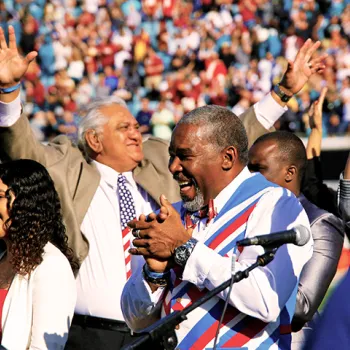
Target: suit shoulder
pixel 64 146
pixel 155 142
pixel 317 214
pixel 156 151
pixel 320 218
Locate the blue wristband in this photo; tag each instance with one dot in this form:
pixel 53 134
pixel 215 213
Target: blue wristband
pixel 159 278
pixel 155 275
pixel 10 89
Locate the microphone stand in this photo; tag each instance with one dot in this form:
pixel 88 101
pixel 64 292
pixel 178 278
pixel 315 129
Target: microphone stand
pixel 162 332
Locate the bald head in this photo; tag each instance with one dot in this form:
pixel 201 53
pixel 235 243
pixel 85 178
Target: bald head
pixel 281 157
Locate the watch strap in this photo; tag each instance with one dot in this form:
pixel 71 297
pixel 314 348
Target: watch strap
pixel 281 94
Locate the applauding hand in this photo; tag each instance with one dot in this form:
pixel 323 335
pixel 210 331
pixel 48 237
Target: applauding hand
pixel 157 239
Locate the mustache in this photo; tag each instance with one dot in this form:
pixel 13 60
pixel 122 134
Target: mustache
pixel 177 177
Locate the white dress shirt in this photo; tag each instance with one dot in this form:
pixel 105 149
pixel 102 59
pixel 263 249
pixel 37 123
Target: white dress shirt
pixel 38 309
pixel 267 289
pixel 102 274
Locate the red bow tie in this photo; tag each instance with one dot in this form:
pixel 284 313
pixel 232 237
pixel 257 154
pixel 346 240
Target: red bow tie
pixel 206 212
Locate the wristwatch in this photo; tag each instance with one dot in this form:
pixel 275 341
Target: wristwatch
pixel 183 252
pixel 283 96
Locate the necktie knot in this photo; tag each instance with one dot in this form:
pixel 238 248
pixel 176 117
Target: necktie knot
pixel 121 179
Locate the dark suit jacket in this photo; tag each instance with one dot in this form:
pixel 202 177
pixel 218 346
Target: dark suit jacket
pixel 333 329
pixel 315 190
pixel 76 180
pixel 328 234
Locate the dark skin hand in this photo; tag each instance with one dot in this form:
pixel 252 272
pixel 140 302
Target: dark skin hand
pixel 159 236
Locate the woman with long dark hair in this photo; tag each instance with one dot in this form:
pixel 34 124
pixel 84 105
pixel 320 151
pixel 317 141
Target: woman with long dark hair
pixel 37 285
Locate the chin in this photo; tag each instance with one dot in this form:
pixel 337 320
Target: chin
pixel 138 158
pixel 193 204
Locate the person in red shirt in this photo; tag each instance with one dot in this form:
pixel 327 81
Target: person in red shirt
pixel 168 7
pixel 154 68
pixel 107 50
pixel 216 70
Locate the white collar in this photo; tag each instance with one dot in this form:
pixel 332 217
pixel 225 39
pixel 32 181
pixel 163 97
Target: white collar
pixel 110 176
pixel 221 199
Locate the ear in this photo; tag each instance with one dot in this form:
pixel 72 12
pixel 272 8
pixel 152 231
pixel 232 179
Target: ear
pixel 93 140
pixel 229 157
pixel 291 173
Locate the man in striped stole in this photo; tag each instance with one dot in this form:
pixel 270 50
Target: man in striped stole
pixel 190 250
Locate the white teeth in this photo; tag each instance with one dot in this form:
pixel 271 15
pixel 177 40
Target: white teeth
pixel 184 183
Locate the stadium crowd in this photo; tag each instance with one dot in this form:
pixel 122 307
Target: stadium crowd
pixel 103 232
pixel 166 57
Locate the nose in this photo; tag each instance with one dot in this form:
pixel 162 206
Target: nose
pixel 134 133
pixel 174 165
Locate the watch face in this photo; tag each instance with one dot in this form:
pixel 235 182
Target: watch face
pixel 183 252
pixel 181 255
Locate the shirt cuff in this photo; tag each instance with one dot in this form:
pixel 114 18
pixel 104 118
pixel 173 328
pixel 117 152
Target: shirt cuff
pixel 199 264
pixel 10 112
pixel 268 111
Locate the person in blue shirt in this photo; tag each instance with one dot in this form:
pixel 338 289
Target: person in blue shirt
pixel 144 116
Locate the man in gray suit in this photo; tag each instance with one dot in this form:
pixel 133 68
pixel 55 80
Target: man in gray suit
pixel 281 157
pixel 88 187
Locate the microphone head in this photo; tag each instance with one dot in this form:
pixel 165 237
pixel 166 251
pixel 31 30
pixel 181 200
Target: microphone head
pixel 302 235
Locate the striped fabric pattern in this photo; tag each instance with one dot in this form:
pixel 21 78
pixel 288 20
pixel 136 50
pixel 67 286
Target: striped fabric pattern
pixel 237 330
pixel 127 213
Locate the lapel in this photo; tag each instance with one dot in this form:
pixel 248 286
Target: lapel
pixel 148 178
pixel 88 182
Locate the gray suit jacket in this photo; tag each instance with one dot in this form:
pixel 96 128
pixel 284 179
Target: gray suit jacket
pixel 328 234
pixel 76 180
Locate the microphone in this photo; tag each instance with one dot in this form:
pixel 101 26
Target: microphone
pixel 298 235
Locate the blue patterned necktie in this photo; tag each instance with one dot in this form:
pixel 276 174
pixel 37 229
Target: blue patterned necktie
pixel 127 213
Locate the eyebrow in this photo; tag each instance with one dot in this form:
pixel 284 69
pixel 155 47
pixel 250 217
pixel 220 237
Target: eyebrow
pixel 127 124
pixel 181 150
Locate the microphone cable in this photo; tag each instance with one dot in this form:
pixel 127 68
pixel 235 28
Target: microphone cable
pixel 233 264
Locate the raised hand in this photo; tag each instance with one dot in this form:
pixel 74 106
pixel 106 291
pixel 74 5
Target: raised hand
pixel 315 112
pixel 12 65
pixel 313 147
pixel 303 67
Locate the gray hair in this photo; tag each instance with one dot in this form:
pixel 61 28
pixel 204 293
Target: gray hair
pixel 222 127
pixel 95 120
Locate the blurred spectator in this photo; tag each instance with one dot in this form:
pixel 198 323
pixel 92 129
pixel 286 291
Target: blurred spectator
pixel 191 52
pixel 39 124
pixel 163 121
pixel 111 79
pixel 144 116
pixel 154 68
pixel 67 125
pixel 76 65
